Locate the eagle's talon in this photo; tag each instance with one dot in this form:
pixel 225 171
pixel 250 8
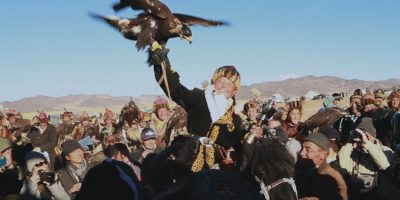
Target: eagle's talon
pixel 155 45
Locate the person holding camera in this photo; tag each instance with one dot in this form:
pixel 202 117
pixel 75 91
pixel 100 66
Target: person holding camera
pixel 364 157
pixel 44 138
pixel 40 182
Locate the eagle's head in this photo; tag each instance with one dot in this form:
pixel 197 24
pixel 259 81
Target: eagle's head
pixel 186 33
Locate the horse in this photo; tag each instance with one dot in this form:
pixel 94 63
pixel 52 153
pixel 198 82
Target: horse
pixel 268 175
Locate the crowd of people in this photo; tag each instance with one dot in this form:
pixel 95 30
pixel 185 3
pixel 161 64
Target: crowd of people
pixel 86 157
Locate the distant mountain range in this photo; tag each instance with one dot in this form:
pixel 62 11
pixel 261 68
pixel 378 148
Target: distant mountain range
pixel 320 84
pixel 288 87
pixel 73 102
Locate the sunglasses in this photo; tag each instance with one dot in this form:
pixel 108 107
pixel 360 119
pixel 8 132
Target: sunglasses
pixel 40 164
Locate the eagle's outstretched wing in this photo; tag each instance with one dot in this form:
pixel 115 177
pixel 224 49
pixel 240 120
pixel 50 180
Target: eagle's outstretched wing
pixel 192 20
pixel 132 29
pixel 112 21
pixel 153 7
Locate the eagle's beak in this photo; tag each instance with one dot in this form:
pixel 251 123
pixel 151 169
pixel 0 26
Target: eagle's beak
pixel 188 38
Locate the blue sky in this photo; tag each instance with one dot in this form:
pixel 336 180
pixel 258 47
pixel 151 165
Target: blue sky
pixel 52 47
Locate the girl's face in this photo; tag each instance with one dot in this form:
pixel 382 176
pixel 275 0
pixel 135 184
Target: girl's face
pixel 252 113
pixel 162 114
pixel 295 116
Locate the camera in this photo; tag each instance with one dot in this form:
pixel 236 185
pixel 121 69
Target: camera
pixel 355 135
pixel 267 111
pixel 49 177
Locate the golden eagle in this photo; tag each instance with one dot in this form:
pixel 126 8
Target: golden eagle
pixel 155 24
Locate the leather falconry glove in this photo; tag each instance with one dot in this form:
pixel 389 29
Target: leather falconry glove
pixel 157 56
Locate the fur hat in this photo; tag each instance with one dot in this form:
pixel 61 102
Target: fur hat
pixel 380 94
pixel 355 96
pixel 68 114
pixel 84 116
pixel 32 158
pixel 250 104
pixel 319 139
pixel 69 146
pixel 109 115
pixel 159 103
pixel 146 117
pixel 5 144
pixel 228 72
pixel 394 95
pixel 11 113
pixel 43 117
pixel 294 105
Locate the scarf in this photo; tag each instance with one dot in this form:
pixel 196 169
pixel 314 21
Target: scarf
pixel 216 103
pixel 41 130
pixel 80 171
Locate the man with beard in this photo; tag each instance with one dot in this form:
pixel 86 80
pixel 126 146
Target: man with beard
pixel 315 178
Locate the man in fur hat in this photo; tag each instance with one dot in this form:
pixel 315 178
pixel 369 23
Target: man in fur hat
pixel 16 125
pixel 381 118
pixel 108 130
pixel 64 129
pixel 84 127
pixel 44 138
pixel 210 111
pixel 394 101
pixel 380 97
pixel 159 119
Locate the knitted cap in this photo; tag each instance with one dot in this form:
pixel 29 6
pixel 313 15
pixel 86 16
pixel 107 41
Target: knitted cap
pixel 69 146
pixel 32 158
pixel 319 139
pixel 367 124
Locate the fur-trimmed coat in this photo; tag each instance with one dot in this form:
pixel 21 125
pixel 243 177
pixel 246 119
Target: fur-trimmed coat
pixel 225 132
pixel 194 102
